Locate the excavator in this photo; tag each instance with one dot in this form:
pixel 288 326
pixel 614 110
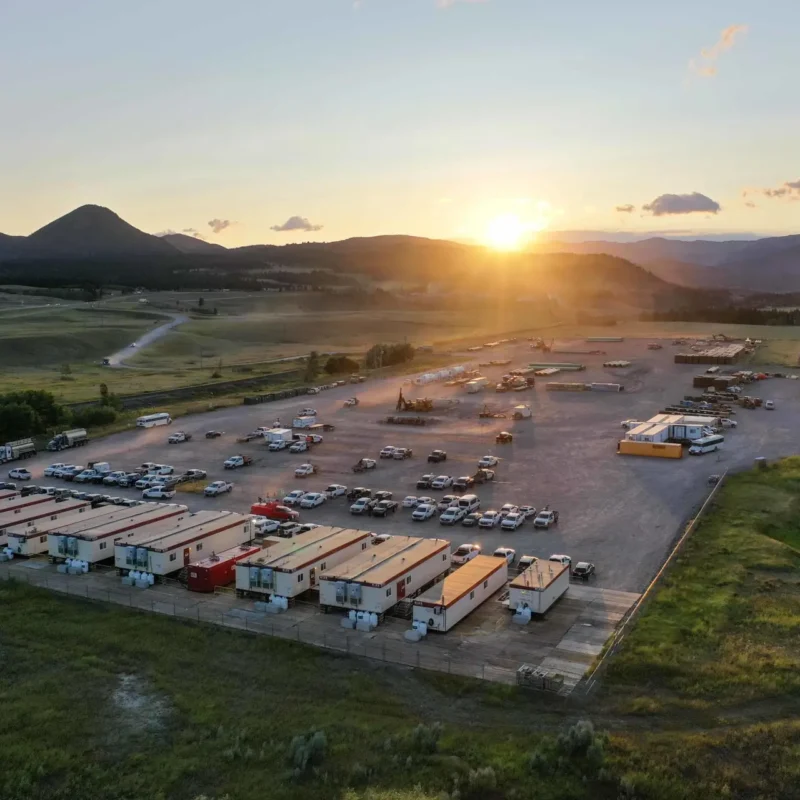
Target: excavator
pixel 415 405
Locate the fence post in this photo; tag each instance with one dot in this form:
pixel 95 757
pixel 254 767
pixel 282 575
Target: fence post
pixel 449 664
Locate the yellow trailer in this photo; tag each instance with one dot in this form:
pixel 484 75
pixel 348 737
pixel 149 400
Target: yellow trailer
pixel 626 447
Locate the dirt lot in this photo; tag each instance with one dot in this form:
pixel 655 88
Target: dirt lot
pixel 622 513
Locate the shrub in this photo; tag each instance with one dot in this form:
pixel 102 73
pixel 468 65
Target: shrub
pixel 425 738
pixel 307 751
pixel 481 781
pixel 578 739
pixel 93 416
pixel 336 365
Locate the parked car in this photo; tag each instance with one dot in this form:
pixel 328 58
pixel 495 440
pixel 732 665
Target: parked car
pixel 508 508
pixel 464 553
pixel 158 493
pixel 452 515
pixel 442 482
pixel 560 559
pixel 384 507
pixel 20 474
pixel 437 456
pixel 388 451
pixel 195 474
pixel 304 470
pixel 769 405
pixel 179 437
pixel 423 512
pixel 69 473
pixel 488 461
pixel 335 490
pixel 112 479
pixel 471 520
pixel 630 424
pixel 361 506
pixel 382 495
pixel 299 447
pixel 289 529
pixel 312 500
pixel 129 479
pixel 293 498
pixel 234 462
pixel 217 488
pixel 463 483
pixel 213 434
pixel 526 561
pixel 545 518
pixel 512 521
pixel 447 501
pixel 508 553
pixel 425 481
pixel 50 472
pixel 402 453
pixel 527 511
pixel 583 570
pixel 489 519
pixel 11 487
pixel 358 491
pixel 365 464
pixel 263 526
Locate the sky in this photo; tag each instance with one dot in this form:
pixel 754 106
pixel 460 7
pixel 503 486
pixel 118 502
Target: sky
pixel 297 120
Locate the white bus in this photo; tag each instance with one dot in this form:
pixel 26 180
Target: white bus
pixel 708 444
pixel 151 420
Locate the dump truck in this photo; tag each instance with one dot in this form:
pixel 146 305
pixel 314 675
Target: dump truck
pixel 22 448
pixel 67 439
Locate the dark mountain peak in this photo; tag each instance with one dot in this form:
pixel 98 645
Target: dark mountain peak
pixel 191 244
pixel 92 231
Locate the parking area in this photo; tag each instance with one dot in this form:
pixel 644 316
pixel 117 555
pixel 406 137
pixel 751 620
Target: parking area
pixel 619 512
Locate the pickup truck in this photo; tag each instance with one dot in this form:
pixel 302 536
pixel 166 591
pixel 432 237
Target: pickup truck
pixel 217 488
pixel 179 437
pixel 234 462
pixel 545 518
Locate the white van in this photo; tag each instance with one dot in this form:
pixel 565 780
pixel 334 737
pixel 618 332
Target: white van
pixel 708 444
pixel 469 503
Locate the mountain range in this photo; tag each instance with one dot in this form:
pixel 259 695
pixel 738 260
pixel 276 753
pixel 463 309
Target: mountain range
pixel 769 264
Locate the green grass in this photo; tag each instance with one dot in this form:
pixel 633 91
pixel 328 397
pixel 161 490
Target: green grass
pixel 724 627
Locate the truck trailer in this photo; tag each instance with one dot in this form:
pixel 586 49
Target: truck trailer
pixel 279 435
pixel 304 422
pixel 373 582
pixel 67 439
pixel 538 587
pixel 92 541
pixel 170 546
pixel 22 448
pixel 29 540
pixel 291 568
pixel 476 385
pixel 460 593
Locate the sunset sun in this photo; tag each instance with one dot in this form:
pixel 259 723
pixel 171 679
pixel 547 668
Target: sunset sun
pixel 508 232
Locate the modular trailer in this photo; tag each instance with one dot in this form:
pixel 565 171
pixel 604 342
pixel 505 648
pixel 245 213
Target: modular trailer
pixel 218 569
pixel 27 540
pixel 460 593
pixel 19 511
pixel 292 567
pixel 93 540
pixel 170 546
pixel 538 587
pixel 373 582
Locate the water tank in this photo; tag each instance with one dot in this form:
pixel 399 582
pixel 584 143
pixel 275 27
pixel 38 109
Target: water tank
pixel 135 575
pixel 151 579
pixel 84 566
pixel 351 615
pixel 373 620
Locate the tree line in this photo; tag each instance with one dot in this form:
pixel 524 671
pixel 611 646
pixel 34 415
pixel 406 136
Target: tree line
pixel 728 315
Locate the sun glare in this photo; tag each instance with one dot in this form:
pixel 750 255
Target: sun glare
pixel 508 232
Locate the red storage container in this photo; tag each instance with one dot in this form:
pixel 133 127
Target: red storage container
pixel 217 569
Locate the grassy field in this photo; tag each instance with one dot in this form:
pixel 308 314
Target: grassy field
pixel 701 701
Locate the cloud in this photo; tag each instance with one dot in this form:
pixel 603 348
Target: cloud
pixel 167 232
pixel 694 203
pixel 626 209
pixel 750 204
pixel 789 190
pixel 296 224
pixel 705 65
pixel 219 225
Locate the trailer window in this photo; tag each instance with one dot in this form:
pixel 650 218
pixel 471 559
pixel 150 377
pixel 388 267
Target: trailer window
pixel 54 517
pixel 444 557
pixel 42 539
pixel 199 547
pixel 323 566
pixel 364 546
pixel 173 556
pixel 103 545
pixel 389 592
pixel 300 578
pixel 486 584
pixel 408 580
pixel 472 595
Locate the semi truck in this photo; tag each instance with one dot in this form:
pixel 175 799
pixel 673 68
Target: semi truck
pixel 67 439
pixel 22 448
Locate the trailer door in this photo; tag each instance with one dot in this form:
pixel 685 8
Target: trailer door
pixel 186 556
pixel 401 589
pixel 312 577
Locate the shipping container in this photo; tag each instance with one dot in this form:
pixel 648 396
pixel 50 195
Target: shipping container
pixel 374 581
pixel 15 512
pixel 170 546
pixel 93 541
pixel 626 447
pixel 606 387
pixel 218 569
pixel 29 540
pixel 538 587
pixel 293 567
pixel 460 593
pixel 649 433
pixel 566 387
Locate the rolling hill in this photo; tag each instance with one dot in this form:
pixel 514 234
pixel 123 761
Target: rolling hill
pixel 191 244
